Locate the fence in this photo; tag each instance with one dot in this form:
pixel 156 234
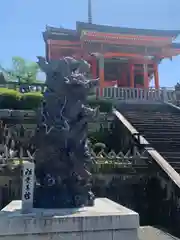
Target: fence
pixel 162 94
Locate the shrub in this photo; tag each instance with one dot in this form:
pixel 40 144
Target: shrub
pixel 30 100
pixel 13 99
pixel 9 98
pixel 105 105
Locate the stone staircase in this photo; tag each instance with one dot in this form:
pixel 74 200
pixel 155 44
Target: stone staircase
pixel 160 125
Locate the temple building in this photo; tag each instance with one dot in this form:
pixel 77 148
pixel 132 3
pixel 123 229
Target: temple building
pixel 125 57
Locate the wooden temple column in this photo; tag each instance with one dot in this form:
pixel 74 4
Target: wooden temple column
pixel 101 74
pixel 146 77
pixel 131 72
pixel 156 76
pixel 94 72
pixel 123 78
pixel 94 67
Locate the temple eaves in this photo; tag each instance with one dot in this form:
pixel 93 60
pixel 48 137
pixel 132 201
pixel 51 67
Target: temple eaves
pixel 110 29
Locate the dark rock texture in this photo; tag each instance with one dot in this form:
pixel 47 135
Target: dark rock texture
pixel 63 159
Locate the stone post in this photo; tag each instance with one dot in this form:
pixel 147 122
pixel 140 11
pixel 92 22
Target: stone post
pixel 164 95
pixel 27 187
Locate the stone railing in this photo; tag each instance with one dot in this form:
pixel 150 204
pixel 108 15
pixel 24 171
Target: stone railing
pixel 151 94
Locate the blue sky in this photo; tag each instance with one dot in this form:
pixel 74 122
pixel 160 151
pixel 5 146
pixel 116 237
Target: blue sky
pixel 22 23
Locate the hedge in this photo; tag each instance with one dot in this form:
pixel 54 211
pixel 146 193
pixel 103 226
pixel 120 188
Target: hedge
pixel 30 100
pixel 9 98
pixel 13 99
pixel 105 105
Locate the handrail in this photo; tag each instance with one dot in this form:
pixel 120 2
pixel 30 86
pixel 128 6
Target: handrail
pixel 175 177
pixel 172 105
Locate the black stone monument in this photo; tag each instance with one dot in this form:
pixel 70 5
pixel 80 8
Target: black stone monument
pixel 63 159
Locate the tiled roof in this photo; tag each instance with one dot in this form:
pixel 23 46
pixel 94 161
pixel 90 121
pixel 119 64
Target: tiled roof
pixel 60 30
pixel 121 30
pixel 63 33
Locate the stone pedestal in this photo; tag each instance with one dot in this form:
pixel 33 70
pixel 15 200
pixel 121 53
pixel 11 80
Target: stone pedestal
pixel 106 220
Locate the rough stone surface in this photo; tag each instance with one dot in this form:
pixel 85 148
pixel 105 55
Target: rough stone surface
pixel 105 220
pixel 151 233
pixel 63 159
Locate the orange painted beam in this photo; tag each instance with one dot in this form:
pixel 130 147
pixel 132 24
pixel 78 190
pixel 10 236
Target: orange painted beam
pixel 119 54
pixel 140 61
pixel 62 42
pixel 64 47
pixel 128 42
pixel 129 36
pixel 112 41
pixel 106 55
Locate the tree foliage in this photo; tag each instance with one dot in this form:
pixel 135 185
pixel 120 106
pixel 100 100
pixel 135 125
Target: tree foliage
pixel 22 70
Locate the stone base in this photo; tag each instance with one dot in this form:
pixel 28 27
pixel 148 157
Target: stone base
pixel 58 198
pixel 106 220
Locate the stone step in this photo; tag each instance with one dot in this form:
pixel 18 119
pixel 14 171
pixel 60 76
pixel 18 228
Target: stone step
pixel 170 150
pixel 162 140
pixel 157 122
pixel 160 125
pixel 171 158
pixel 155 129
pixel 158 111
pixel 153 126
pixel 161 116
pixel 156 114
pixel 162 134
pixel 175 165
pixel 143 107
pixel 162 113
pixel 168 154
pixel 169 137
pixel 151 119
pixel 170 144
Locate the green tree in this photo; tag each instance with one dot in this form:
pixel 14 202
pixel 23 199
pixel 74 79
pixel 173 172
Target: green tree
pixel 22 70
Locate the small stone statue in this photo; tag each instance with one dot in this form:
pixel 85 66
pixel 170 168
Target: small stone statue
pixel 62 158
